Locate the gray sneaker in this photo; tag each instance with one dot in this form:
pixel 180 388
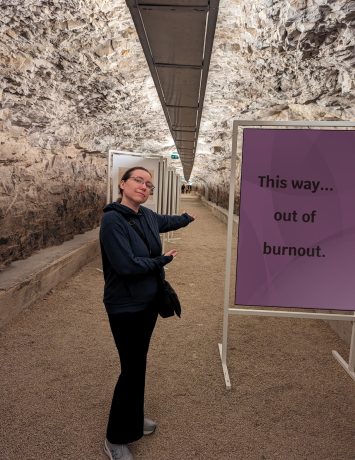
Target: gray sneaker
pixel 117 451
pixel 149 426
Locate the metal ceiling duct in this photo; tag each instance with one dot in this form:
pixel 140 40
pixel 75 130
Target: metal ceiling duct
pixel 177 38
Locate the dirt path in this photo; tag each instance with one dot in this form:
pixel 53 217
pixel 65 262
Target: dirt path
pixel 289 399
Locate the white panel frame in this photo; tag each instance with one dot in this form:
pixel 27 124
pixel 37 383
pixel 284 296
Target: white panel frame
pixel 160 184
pixel 178 193
pixel 163 181
pixel 174 201
pixel 165 177
pixel 349 366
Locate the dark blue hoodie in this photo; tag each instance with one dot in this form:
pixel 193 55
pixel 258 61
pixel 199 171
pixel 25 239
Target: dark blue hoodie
pixel 131 270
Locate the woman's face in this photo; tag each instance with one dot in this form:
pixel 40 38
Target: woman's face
pixel 137 188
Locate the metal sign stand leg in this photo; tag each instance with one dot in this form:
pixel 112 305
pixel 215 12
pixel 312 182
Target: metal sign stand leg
pixel 172 237
pixel 223 352
pixel 349 367
pixel 223 346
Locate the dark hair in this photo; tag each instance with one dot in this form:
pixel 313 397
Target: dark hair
pixel 128 174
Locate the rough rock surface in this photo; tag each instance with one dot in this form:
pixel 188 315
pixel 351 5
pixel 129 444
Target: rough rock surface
pixel 74 82
pixel 46 197
pixel 282 60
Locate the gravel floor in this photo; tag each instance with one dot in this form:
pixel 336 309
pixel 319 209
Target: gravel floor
pixel 289 399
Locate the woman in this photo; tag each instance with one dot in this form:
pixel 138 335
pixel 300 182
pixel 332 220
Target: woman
pixel 132 264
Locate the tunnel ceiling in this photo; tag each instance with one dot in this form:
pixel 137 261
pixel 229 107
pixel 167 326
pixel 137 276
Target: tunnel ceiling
pixel 74 76
pixel 177 38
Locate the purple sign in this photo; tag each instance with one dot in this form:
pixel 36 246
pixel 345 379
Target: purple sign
pixel 296 245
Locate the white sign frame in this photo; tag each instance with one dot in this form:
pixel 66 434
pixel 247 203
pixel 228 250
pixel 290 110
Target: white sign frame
pixel 173 204
pixel 164 185
pixel 349 366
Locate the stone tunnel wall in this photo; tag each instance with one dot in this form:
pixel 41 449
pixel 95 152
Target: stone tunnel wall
pixel 46 197
pixel 217 193
pixel 60 99
pixel 74 82
pixel 274 60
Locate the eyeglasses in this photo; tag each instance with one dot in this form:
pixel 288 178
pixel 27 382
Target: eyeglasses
pixel 141 181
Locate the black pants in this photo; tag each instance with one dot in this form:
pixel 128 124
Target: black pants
pixel 132 333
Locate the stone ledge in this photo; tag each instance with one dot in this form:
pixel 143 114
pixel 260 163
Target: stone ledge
pixel 219 212
pixel 25 281
pixel 341 328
